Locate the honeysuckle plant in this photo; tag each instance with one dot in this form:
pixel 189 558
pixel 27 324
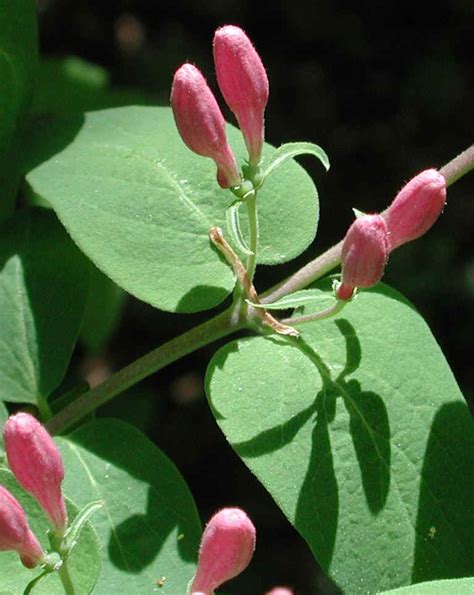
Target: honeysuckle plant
pixel 336 396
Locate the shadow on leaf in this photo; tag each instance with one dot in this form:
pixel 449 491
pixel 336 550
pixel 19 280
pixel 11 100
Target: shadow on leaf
pixel 445 522
pixel 46 136
pixel 201 297
pixel 370 432
pixel 135 542
pixel 136 530
pixel 369 424
pixel 275 438
pixel 318 500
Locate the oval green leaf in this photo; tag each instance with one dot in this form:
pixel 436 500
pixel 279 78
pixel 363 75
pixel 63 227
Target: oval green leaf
pixel 18 58
pixel 360 433
pixel 148 525
pixel 140 204
pixel 43 289
pixel 83 563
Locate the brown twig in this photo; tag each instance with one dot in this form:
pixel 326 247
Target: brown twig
pixel 217 238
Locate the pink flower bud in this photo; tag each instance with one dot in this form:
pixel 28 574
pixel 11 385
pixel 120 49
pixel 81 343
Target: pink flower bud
pixel 364 254
pixel 201 124
pixel 280 591
pixel 415 208
pixel 227 546
pixel 36 463
pixel 15 533
pixel 244 84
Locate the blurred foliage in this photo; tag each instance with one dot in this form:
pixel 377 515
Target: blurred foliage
pixel 385 88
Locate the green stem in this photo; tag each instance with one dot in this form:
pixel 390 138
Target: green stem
pixel 66 579
pixel 251 203
pixel 221 325
pixel 327 313
pixel 43 408
pixel 459 166
pixel 310 273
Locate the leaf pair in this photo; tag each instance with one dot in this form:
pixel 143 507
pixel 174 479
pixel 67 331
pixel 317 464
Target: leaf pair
pixel 141 205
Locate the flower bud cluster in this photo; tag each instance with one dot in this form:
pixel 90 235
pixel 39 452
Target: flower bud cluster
pixel 243 82
pixel 36 463
pixel 371 238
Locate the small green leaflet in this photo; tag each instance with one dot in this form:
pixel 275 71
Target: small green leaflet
pixel 233 225
pixel 297 299
pixel 292 150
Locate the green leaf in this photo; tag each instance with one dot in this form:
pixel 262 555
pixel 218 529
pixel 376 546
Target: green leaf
pixel 83 562
pixel 71 85
pixel 140 204
pixel 82 518
pixel 18 55
pixel 43 290
pixel 462 586
pixel 360 433
pixel 103 311
pixel 148 525
pixel 292 150
pixel 299 299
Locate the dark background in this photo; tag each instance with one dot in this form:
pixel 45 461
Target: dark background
pixel 387 90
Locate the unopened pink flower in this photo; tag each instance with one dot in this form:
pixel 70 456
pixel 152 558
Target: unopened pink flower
pixel 227 546
pixel 416 207
pixel 364 254
pixel 280 591
pixel 201 124
pixel 36 463
pixel 15 533
pixel 244 84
